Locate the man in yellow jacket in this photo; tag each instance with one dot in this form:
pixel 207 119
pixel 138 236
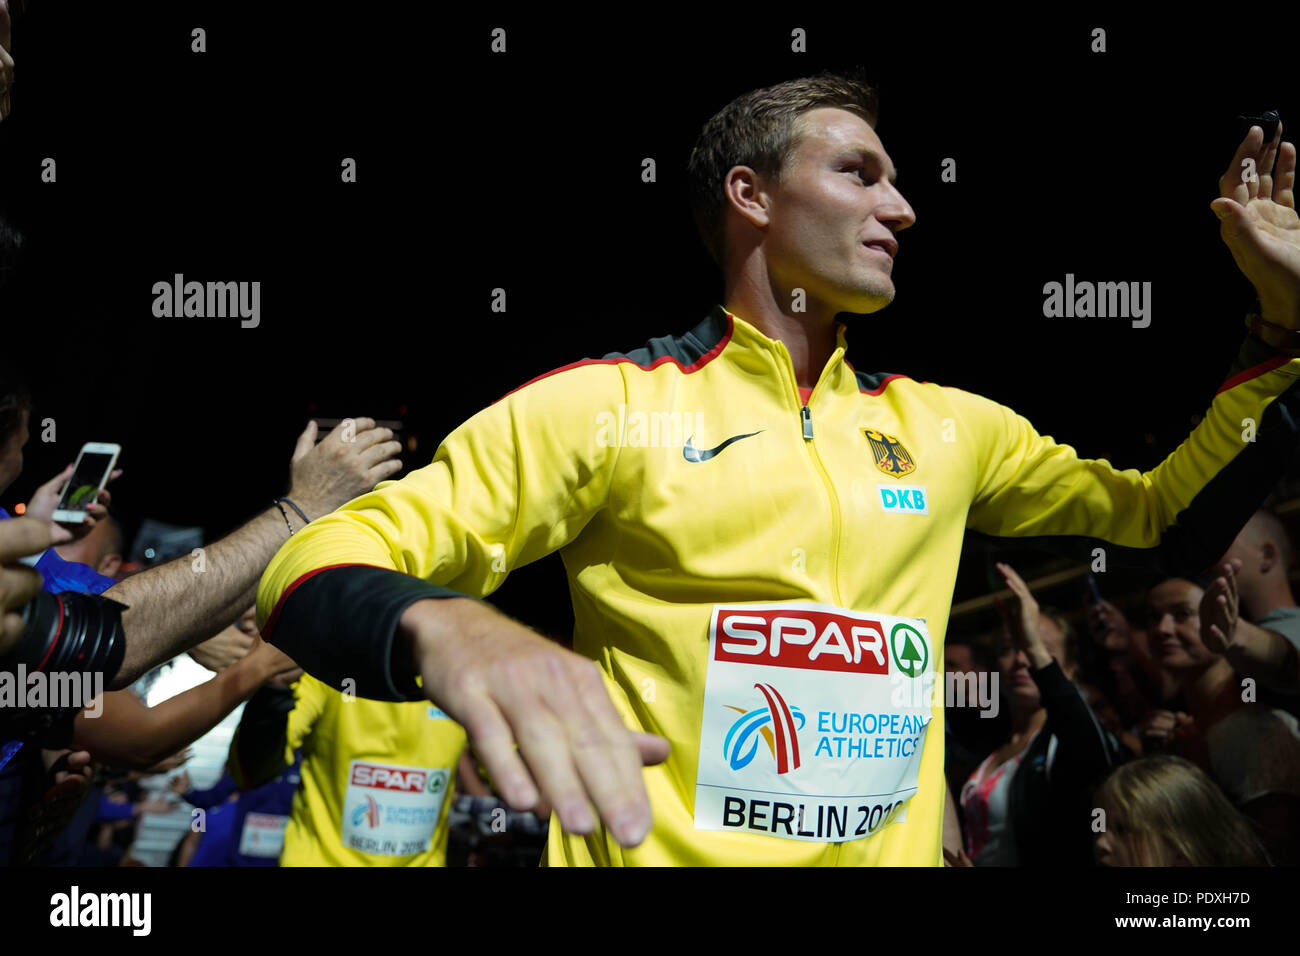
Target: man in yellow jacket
pixel 378 778
pixel 761 541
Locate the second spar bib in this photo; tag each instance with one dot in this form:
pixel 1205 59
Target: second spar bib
pixel 263 835
pixel 814 720
pixel 390 810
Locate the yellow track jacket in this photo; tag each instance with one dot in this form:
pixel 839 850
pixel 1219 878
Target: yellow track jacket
pixel 763 581
pixel 378 778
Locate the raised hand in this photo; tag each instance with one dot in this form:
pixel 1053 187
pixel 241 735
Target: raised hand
pixel 348 462
pixel 1022 619
pixel 1259 223
pixel 1219 610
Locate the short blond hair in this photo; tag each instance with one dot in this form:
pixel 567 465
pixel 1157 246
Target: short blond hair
pixel 759 130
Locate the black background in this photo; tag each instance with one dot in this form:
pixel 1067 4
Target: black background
pixel 523 171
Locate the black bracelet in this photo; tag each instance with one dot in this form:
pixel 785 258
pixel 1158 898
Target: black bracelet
pixel 287 524
pixel 297 509
pixel 1277 337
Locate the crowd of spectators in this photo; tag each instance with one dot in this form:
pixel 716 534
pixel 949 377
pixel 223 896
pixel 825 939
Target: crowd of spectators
pixel 1163 732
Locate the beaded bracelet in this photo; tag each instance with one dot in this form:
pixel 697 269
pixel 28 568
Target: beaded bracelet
pixel 305 519
pixel 287 523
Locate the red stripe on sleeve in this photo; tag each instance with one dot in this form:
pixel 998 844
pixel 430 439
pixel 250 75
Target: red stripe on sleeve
pixel 1254 372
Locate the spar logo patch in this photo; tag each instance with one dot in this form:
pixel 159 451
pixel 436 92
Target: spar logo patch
pixel 890 455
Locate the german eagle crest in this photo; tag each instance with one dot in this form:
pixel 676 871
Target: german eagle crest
pixel 891 457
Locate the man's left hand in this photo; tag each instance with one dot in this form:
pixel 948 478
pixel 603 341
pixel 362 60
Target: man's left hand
pixel 1259 223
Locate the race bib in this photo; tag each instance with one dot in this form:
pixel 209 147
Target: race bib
pixel 263 835
pixel 814 720
pixel 390 810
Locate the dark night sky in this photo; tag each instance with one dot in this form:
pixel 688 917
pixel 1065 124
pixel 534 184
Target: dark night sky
pixel 522 171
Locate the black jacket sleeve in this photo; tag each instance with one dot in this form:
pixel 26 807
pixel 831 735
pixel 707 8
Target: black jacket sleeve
pixel 1050 801
pixel 1083 752
pixel 341 624
pixel 258 747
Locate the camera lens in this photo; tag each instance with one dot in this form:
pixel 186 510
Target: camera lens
pixel 71 633
pixel 68 633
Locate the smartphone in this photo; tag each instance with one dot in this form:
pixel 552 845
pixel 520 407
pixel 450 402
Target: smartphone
pixel 1094 594
pixel 94 465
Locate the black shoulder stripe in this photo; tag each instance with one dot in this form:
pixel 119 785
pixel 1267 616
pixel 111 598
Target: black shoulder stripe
pixel 686 349
pixel 869 381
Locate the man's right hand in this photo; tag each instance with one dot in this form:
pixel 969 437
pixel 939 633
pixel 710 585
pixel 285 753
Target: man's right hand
pixel 538 716
pixel 348 462
pixel 20 538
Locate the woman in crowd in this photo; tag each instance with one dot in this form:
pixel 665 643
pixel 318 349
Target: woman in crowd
pixel 1029 802
pixel 1164 811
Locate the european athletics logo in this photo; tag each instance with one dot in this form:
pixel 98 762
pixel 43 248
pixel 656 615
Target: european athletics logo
pixel 368 811
pixel 784 745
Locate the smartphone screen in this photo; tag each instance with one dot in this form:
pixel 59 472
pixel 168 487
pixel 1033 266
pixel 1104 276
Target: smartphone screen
pixel 83 486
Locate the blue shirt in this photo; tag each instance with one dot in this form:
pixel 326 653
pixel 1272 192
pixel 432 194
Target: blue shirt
pixel 59 575
pixel 220 845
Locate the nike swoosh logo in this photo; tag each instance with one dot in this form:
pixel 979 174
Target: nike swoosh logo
pixel 691 453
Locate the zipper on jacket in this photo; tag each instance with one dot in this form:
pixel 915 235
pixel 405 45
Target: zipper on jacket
pixel 805 417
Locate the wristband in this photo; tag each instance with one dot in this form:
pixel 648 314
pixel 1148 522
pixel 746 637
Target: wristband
pixel 1278 337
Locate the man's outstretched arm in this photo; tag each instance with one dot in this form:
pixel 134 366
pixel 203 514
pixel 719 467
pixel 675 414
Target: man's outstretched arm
pixel 1180 517
pixel 184 602
pixel 386 590
pixel 129 734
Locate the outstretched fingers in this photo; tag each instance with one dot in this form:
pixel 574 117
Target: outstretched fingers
pixel 604 751
pixel 1234 184
pixel 1266 160
pixel 1284 176
pixel 495 745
